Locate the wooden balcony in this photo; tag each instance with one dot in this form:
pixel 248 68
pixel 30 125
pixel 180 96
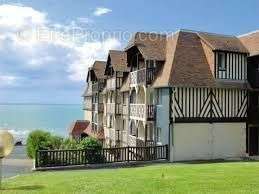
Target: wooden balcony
pixel 111 84
pixel 97 87
pixel 98 107
pixel 87 106
pixel 110 108
pixel 142 77
pixel 113 108
pixel 142 112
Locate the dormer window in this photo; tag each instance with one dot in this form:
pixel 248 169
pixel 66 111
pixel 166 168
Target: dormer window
pixel 222 61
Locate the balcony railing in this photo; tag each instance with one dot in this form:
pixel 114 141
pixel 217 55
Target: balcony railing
pixel 87 106
pixel 113 108
pixel 110 108
pixel 97 87
pixel 98 107
pixel 142 76
pixel 142 111
pixel 111 83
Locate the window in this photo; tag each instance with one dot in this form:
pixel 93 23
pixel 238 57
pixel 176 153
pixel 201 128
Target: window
pixel 158 134
pixel 110 122
pixel 151 64
pixel 124 98
pixel 159 96
pixel 222 61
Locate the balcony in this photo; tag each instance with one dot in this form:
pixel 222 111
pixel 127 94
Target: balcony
pixel 113 108
pixel 98 107
pixel 125 110
pixel 142 77
pixel 87 106
pixel 97 87
pixel 111 84
pixel 110 108
pixel 142 112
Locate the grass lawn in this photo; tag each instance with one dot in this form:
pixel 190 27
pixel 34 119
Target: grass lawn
pixel 234 177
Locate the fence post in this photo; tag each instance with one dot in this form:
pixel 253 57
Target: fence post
pixel 128 154
pixel 167 152
pixel 36 165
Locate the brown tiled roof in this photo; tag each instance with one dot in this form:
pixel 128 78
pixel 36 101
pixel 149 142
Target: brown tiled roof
pixel 251 42
pixel 78 127
pixel 118 60
pixel 190 61
pixel 98 135
pixel 87 91
pixel 150 45
pixel 186 63
pixel 223 42
pixel 99 68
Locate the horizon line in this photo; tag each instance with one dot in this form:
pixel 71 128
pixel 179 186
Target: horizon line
pixel 36 103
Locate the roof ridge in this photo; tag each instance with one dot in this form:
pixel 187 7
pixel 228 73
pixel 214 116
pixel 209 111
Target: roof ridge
pixel 249 33
pixel 211 33
pixel 150 33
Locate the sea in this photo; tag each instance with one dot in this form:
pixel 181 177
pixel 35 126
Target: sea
pixel 21 119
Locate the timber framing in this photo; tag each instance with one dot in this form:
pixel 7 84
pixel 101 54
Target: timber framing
pixel 208 105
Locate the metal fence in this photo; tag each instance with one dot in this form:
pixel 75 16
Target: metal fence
pixel 56 158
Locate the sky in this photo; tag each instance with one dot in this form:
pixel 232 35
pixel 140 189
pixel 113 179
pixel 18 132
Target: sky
pixel 46 46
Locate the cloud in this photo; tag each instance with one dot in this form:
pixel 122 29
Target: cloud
pixel 8 80
pixel 45 53
pixel 84 20
pixel 101 11
pixel 17 17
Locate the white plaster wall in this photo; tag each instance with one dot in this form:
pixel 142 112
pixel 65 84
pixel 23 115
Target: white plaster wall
pixel 204 141
pixel 88 115
pixel 229 140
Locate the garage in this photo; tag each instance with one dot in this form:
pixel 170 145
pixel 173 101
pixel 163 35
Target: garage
pixel 204 141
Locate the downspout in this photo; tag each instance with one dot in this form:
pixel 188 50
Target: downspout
pixel 171 122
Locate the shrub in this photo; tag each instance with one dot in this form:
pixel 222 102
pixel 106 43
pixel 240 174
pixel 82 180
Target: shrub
pixel 55 142
pixel 37 140
pixel 68 144
pixel 90 143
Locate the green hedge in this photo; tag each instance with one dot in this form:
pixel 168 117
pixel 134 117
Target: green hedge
pixel 41 140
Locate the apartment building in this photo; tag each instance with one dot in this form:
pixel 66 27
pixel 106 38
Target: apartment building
pixel 194 91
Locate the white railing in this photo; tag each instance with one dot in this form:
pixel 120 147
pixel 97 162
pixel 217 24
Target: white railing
pixel 111 84
pixel 138 111
pixel 142 112
pixel 110 108
pixel 87 105
pixel 132 141
pixel 142 76
pixel 125 110
pixel 137 77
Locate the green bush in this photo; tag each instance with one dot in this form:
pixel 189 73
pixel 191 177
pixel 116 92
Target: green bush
pixel 55 142
pixel 41 140
pixel 90 143
pixel 37 140
pixel 69 144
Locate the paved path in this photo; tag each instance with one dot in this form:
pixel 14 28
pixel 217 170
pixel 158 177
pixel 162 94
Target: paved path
pixel 17 163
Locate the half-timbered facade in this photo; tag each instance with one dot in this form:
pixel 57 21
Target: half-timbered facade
pixel 205 76
pixel 195 91
pixel 93 98
pixel 115 70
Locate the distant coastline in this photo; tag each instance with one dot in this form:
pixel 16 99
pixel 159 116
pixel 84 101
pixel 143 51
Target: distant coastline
pixel 25 103
pixel 22 118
